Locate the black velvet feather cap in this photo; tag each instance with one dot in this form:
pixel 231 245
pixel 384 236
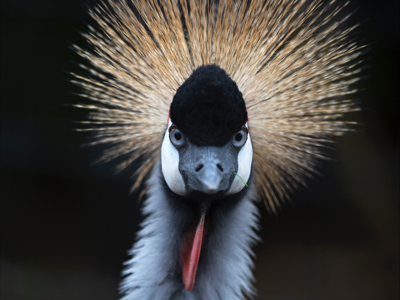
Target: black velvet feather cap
pixel 208 107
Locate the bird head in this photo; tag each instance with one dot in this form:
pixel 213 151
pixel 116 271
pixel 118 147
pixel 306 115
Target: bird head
pixel 207 140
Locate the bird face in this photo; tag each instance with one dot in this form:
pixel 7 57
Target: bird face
pixel 207 142
pixel 191 169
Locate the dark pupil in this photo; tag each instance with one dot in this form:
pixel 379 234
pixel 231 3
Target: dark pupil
pixel 238 137
pixel 178 136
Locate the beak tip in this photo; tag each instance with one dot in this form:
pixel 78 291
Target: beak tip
pixel 211 187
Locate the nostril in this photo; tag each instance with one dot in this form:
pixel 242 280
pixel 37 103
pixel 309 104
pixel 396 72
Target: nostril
pixel 199 167
pixel 220 167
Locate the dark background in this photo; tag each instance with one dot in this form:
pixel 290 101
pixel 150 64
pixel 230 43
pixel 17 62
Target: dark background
pixel 66 224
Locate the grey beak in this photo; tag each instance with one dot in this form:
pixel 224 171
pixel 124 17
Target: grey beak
pixel 207 178
pixel 208 169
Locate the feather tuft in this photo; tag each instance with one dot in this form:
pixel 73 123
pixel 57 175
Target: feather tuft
pixel 292 60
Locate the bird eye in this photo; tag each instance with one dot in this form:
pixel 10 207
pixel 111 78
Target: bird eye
pixel 176 137
pixel 240 138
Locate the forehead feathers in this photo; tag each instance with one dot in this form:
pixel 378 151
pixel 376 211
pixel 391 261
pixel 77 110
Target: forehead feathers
pixel 208 107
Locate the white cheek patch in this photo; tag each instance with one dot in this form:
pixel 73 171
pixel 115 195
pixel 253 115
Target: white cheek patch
pixel 245 158
pixel 170 165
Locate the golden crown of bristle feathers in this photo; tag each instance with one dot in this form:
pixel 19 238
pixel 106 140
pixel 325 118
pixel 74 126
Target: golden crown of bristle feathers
pixel 291 61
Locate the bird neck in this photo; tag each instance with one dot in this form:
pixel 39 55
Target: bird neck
pixel 224 268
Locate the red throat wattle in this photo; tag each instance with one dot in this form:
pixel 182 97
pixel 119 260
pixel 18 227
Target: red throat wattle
pixel 190 253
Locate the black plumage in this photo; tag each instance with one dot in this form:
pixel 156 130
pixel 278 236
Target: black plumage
pixel 208 107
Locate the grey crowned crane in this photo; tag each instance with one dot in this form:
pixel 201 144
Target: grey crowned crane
pixel 225 102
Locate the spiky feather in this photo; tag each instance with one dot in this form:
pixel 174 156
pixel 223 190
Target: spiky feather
pixel 291 59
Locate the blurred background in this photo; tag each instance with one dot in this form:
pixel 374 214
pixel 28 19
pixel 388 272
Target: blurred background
pixel 66 224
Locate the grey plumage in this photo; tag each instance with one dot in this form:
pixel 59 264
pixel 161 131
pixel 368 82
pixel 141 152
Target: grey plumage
pixel 225 269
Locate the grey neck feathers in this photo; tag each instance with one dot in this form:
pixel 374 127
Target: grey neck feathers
pixel 225 267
